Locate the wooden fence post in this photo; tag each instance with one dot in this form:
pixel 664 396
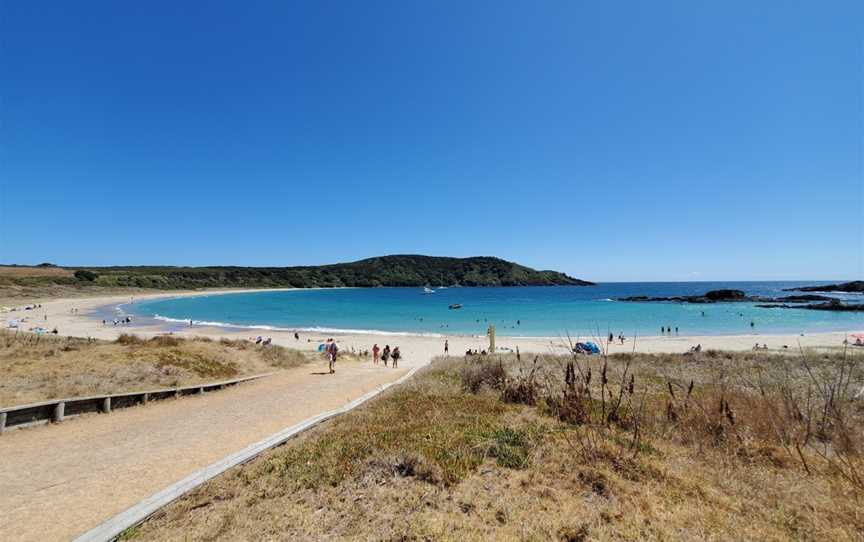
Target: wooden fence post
pixel 59 410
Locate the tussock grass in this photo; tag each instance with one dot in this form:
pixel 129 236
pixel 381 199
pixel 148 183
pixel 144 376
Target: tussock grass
pixel 477 449
pixel 37 368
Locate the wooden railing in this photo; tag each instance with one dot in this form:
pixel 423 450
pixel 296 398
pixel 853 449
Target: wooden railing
pixel 59 409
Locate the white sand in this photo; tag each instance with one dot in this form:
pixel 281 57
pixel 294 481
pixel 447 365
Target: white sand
pixel 417 349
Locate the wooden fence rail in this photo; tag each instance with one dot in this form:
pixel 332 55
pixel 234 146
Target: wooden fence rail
pixel 58 409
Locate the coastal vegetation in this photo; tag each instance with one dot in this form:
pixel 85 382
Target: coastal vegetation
pixel 712 445
pixel 398 270
pixel 42 367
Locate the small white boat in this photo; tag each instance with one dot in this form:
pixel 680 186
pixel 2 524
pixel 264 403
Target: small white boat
pixel 428 291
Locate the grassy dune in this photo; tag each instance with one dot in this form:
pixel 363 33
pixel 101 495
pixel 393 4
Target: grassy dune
pixel 38 368
pixel 709 446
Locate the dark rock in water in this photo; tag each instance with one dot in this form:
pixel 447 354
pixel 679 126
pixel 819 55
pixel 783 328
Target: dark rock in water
pixel 726 295
pixel 850 287
pixel 737 296
pixel 714 296
pixel 833 305
pixel 836 305
pixel 804 298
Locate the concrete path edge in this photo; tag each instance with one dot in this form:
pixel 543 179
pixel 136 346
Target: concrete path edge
pixel 113 527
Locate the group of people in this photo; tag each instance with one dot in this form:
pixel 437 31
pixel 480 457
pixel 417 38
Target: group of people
pixel 118 321
pixel 386 355
pixel 620 338
pixel 668 329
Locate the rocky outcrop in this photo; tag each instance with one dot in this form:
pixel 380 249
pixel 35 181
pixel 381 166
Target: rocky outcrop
pixel 856 286
pixel 714 296
pixel 805 301
pixel 726 295
pixel 833 305
pixel 806 298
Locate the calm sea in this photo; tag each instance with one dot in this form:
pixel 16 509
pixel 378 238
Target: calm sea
pixel 524 312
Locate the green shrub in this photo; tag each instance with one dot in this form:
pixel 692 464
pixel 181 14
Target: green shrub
pixel 83 274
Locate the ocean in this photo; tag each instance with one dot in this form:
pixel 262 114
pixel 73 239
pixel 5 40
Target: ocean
pixel 553 311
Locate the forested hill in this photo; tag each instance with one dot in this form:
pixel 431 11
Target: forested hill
pixel 401 270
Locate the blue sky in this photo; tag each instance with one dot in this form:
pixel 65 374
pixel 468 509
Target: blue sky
pixel 611 140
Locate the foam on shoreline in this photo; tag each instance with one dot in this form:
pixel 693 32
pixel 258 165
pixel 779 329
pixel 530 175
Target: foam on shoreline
pixel 308 329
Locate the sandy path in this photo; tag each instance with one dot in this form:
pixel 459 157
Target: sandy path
pixel 59 481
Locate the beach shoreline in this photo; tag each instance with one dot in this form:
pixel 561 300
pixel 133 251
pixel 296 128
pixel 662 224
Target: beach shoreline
pixel 82 317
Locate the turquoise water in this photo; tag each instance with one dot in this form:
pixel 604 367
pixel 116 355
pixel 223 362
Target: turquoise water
pixel 524 312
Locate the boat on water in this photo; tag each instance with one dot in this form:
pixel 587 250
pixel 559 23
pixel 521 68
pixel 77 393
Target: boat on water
pixel 455 306
pixel 427 290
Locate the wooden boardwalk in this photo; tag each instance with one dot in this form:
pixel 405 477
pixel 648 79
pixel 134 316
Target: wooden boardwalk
pixel 58 481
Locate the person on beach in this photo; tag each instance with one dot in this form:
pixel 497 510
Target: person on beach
pixel 446 348
pixel 396 355
pixel 662 330
pixel 332 351
pixel 385 355
pixel 296 336
pixel 375 353
pixel 676 330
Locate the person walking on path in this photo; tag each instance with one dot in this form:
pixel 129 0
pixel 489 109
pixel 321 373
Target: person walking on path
pixel 331 356
pixel 446 348
pixel 375 353
pixel 385 355
pixel 396 355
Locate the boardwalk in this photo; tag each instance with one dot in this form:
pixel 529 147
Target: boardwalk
pixel 58 481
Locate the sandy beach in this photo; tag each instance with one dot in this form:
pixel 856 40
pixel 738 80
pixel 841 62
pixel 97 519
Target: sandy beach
pixel 417 349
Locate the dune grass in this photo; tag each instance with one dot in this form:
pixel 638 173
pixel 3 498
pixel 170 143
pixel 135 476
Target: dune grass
pixel 711 446
pixel 37 368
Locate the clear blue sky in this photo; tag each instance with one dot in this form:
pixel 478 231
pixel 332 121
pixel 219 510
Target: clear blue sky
pixel 611 140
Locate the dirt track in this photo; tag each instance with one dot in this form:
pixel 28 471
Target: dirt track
pixel 58 481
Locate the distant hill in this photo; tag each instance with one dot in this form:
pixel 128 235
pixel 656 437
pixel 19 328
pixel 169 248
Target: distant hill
pixel 398 270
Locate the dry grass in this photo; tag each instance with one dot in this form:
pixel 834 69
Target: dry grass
pixel 37 368
pixel 466 453
pixel 22 271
